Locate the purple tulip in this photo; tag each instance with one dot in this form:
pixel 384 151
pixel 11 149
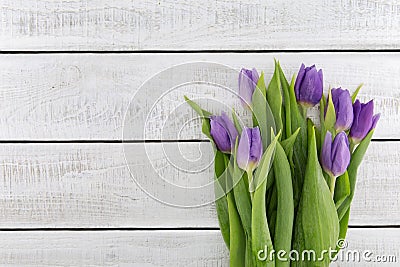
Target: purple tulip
pixel 309 85
pixel 364 120
pixel 335 156
pixel 250 149
pixel 375 120
pixel 247 83
pixel 343 108
pixel 223 132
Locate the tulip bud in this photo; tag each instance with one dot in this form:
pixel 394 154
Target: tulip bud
pixel 335 156
pixel 223 132
pixel 343 108
pixel 363 121
pixel 309 85
pixel 250 149
pixel 247 83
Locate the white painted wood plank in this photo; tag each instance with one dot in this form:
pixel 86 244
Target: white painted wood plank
pixel 194 25
pixel 89 185
pixel 380 246
pixel 85 96
pixel 156 248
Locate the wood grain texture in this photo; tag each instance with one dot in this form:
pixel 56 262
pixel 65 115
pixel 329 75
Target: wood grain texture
pixel 89 185
pixel 193 25
pixel 157 248
pixel 86 97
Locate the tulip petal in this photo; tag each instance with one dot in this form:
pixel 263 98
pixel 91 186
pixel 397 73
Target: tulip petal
pixel 321 76
pixel 242 156
pixel 220 135
pixel 343 108
pixel 340 154
pixel 254 76
pixel 250 149
pixel 299 80
pixel 309 85
pixel 363 120
pixel 256 148
pixel 326 158
pixel 230 127
pixel 375 120
pixel 247 83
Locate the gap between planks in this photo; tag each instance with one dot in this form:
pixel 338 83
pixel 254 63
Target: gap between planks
pixel 255 51
pixel 130 141
pixel 94 229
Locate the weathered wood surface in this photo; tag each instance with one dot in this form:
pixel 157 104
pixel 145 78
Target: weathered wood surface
pixel 157 248
pixel 193 25
pixel 86 96
pixel 89 185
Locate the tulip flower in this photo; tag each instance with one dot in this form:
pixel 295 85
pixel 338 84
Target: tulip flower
pixel 223 132
pixel 335 156
pixel 308 86
pixel 343 108
pixel 247 83
pixel 364 120
pixel 250 149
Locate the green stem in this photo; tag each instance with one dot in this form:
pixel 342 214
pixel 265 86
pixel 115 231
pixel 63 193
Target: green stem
pixel 352 146
pixel 304 111
pixel 251 184
pixel 237 248
pixel 332 184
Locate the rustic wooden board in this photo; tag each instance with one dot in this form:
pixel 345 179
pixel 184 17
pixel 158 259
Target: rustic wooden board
pixel 86 96
pixel 193 25
pixel 155 248
pixel 89 185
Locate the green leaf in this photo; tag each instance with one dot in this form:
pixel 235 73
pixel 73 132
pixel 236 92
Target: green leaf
pixel 272 223
pixel 322 118
pixel 243 204
pixel 242 196
pixel 272 203
pixel 300 145
pixel 265 163
pixel 262 116
pixel 261 84
pixel 237 249
pixel 204 114
pixel 270 180
pixel 274 98
pixel 236 122
pixel 317 224
pixel 286 102
pixel 250 260
pixel 220 170
pixel 261 237
pixel 344 222
pixel 330 117
pixel 357 157
pixel 354 96
pixel 343 225
pixel 342 189
pixel 285 208
pixel 288 143
pixel 221 203
pixel 288 146
pixel 355 161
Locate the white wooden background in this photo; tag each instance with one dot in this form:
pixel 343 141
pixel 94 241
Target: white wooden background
pixel 66 194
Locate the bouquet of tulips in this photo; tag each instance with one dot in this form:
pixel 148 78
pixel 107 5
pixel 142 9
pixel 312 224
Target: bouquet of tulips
pixel 284 184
